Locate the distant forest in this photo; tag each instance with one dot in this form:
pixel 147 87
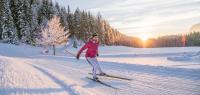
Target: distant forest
pixel 190 39
pixel 21 21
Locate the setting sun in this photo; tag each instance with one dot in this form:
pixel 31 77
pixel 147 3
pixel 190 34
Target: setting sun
pixel 144 37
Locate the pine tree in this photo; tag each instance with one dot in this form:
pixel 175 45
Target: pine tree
pixel 57 8
pixel 46 12
pixel 43 14
pixel 84 25
pixel 35 29
pixel 51 10
pixel 77 23
pixel 15 7
pixel 28 20
pixel 23 20
pixel 99 27
pixel 53 34
pixel 75 44
pixel 70 22
pixel 7 23
pixel 63 18
pixel 88 22
pixel 1 22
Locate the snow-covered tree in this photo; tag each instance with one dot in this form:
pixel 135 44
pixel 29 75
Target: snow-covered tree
pixel 35 30
pixel 63 18
pixel 77 23
pixel 70 21
pixel 84 26
pixel 53 34
pixel 1 12
pixel 46 12
pixel 7 23
pixel 24 19
pixel 57 7
pixel 99 27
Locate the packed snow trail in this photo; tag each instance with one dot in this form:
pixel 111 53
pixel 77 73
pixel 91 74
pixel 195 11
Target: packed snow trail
pixel 149 80
pixel 20 78
pixel 30 73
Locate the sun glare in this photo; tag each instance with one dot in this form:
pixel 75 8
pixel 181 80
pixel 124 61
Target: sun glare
pixel 144 37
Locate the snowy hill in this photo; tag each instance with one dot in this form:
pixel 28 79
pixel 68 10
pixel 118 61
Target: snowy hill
pixel 25 71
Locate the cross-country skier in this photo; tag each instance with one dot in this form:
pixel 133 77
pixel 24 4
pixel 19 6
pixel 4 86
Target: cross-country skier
pixel 91 54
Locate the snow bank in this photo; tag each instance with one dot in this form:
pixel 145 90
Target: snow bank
pixel 186 57
pixel 18 50
pixel 130 50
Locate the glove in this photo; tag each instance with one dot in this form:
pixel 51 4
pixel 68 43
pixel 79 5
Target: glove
pixel 97 54
pixel 77 57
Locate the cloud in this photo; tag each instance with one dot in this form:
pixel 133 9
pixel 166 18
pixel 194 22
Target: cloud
pixel 140 16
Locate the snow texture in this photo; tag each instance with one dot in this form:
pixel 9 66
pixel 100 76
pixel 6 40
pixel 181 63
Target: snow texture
pixel 25 71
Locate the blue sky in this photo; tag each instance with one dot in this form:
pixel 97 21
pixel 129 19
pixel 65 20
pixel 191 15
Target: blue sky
pixel 152 18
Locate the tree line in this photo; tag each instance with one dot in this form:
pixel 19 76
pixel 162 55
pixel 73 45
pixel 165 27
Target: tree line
pixel 23 20
pixel 190 39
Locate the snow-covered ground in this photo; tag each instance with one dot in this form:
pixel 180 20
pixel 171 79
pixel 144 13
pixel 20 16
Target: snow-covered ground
pixel 155 71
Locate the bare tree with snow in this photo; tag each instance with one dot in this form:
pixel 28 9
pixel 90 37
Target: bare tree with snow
pixel 53 34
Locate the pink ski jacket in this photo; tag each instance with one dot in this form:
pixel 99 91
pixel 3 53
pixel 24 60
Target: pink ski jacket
pixel 92 49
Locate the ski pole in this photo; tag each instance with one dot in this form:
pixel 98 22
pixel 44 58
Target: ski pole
pixel 70 53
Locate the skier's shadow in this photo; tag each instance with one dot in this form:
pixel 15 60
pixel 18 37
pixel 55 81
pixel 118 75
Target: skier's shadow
pixel 89 83
pixel 65 87
pixel 11 91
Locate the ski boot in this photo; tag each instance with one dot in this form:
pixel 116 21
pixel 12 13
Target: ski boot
pixel 96 78
pixel 102 74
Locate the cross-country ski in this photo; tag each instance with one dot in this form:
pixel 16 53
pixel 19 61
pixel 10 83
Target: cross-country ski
pixel 102 83
pixel 112 76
